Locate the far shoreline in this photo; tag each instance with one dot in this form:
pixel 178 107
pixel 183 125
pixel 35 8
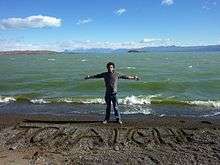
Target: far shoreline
pixel 156 49
pixel 26 52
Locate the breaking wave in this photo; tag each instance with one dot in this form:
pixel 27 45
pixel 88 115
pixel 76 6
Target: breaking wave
pixel 128 100
pixel 6 99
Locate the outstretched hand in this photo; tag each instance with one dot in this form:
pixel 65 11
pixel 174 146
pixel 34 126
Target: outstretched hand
pixel 87 77
pixel 136 78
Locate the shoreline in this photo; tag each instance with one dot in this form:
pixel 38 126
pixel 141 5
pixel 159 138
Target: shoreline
pixel 72 109
pixel 10 119
pixel 83 139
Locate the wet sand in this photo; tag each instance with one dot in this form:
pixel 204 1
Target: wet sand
pixel 83 139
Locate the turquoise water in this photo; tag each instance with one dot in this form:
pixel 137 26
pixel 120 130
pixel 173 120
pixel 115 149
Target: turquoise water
pixel 179 78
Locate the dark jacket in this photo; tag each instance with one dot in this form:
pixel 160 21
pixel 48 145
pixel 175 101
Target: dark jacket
pixel 111 80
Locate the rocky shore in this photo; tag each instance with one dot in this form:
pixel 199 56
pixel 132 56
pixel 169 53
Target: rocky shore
pixel 85 140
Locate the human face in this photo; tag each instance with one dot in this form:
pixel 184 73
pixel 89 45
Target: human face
pixel 110 68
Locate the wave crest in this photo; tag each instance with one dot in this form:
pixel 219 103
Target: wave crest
pixel 128 100
pixel 206 103
pixel 6 99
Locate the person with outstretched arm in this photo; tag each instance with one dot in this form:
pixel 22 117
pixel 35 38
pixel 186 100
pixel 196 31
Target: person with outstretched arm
pixel 111 82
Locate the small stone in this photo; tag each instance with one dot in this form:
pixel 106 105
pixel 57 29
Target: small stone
pixel 116 148
pixel 13 148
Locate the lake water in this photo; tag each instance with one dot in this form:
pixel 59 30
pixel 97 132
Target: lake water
pixel 172 84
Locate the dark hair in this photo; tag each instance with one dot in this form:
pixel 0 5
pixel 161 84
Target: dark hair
pixel 110 63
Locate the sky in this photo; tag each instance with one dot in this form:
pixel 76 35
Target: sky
pixel 83 24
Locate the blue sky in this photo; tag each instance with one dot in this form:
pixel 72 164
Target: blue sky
pixel 74 24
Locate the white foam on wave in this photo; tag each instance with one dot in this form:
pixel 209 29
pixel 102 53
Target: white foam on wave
pixel 66 100
pixel 83 60
pixel 129 100
pixel 7 99
pixel 138 109
pixel 94 101
pixel 211 115
pixel 216 113
pixel 131 67
pixel 39 101
pixel 209 103
pixel 139 100
pixel 84 101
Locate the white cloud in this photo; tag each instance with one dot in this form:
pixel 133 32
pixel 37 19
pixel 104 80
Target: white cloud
pixel 157 42
pixel 84 21
pixel 167 2
pixel 149 40
pixel 209 4
pixel 9 44
pixel 35 21
pixel 120 11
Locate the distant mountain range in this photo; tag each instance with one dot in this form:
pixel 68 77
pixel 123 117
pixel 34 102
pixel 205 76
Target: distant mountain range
pixel 151 49
pixel 179 49
pixel 27 52
pixel 208 48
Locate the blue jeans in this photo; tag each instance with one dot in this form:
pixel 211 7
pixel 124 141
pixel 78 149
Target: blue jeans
pixel 112 97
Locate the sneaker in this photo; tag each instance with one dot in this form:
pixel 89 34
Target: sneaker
pixel 119 121
pixel 105 122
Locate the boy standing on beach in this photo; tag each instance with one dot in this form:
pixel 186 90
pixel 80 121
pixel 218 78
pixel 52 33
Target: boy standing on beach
pixel 111 82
